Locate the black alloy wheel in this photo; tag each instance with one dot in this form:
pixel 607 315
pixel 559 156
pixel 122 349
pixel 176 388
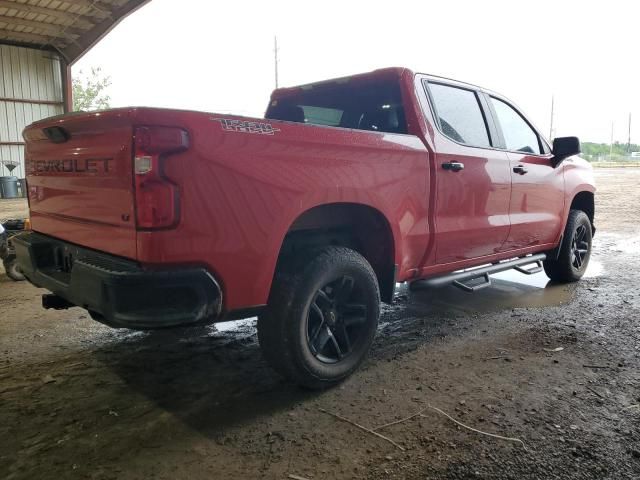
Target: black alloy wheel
pixel 579 246
pixel 322 316
pixel 336 319
pixel 570 262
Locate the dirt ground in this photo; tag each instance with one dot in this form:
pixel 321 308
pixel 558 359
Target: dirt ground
pixel 14 208
pixel 553 366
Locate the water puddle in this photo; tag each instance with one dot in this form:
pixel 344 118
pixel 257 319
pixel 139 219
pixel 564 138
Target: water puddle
pixel 595 269
pixel 235 331
pixel 510 289
pixel 626 245
pixel 222 333
pixel 237 325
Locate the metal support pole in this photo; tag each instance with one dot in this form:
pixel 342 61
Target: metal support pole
pixel 275 54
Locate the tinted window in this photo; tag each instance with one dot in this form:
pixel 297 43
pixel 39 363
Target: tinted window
pixel 364 106
pixel 321 115
pixel 518 135
pixel 460 116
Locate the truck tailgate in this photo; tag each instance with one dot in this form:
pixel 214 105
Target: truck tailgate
pixel 80 180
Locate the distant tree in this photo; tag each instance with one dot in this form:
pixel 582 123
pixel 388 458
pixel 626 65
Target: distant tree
pixel 593 151
pixel 89 90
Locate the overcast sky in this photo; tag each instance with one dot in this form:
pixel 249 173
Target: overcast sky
pixel 218 56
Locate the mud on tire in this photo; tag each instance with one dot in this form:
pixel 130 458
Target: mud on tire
pixel 321 318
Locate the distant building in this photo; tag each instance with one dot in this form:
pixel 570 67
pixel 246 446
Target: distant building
pixel 635 154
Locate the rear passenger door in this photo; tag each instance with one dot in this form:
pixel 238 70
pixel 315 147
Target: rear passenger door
pixel 473 179
pixel 537 193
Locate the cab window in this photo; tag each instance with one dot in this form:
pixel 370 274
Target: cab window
pixel 459 114
pixel 518 134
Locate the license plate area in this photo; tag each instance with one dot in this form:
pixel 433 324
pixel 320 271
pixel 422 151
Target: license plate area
pixel 55 260
pixel 63 259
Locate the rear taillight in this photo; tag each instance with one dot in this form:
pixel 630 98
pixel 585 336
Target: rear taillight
pixel 157 198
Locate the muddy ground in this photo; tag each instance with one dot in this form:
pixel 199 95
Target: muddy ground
pixel 80 400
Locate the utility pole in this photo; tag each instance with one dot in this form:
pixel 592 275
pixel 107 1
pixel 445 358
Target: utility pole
pixel 275 55
pixel 629 138
pixel 551 123
pixel 611 144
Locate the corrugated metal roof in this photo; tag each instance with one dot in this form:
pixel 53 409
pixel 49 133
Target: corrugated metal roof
pixel 70 27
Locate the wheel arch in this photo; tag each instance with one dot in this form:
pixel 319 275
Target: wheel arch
pixel 584 200
pixel 358 226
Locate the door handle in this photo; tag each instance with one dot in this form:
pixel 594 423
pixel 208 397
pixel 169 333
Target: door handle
pixel 453 166
pixel 520 169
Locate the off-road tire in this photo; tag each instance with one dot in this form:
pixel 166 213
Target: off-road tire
pixel 566 267
pixel 286 327
pixel 12 269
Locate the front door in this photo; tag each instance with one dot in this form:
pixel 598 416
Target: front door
pixel 537 193
pixel 473 180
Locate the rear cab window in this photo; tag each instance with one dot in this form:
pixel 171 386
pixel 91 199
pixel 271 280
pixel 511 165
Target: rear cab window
pixel 459 114
pixel 373 106
pixel 322 115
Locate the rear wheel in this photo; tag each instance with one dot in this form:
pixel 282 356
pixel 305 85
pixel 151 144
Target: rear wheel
pixel 322 317
pixel 575 250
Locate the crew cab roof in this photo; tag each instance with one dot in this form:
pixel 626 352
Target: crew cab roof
pixel 380 74
pixel 374 75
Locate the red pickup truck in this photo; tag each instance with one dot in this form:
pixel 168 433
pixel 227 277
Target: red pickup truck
pixel 306 218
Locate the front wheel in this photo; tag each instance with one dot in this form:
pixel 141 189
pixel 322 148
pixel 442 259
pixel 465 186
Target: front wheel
pixel 322 317
pixel 575 250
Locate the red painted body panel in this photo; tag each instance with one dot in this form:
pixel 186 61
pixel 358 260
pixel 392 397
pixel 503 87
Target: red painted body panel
pixel 472 206
pixel 240 192
pixel 537 202
pixel 72 196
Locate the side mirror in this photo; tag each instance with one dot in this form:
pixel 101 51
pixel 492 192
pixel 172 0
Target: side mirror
pixel 564 147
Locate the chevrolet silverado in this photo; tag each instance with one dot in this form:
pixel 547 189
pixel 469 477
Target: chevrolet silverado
pixel 306 218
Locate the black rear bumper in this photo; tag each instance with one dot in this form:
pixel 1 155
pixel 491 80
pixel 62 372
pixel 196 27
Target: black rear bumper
pixel 117 291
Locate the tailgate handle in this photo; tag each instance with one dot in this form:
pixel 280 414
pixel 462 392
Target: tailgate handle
pixel 56 134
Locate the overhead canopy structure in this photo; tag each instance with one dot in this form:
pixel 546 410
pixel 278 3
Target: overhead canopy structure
pixel 39 41
pixel 69 27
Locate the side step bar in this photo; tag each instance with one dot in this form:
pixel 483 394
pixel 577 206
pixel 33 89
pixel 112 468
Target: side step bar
pixel 467 279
